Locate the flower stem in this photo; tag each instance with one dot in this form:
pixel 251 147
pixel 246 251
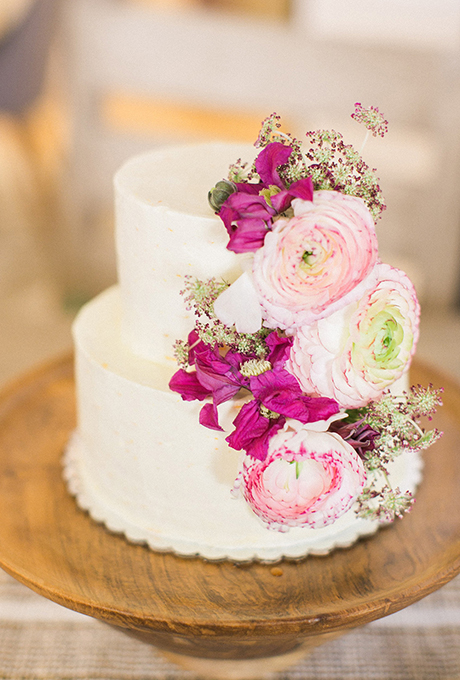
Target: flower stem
pixel 385 476
pixel 366 137
pixel 419 429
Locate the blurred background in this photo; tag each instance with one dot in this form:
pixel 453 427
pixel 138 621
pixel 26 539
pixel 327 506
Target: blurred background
pixel 87 83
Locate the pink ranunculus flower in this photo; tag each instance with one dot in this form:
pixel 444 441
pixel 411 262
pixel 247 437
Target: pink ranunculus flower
pixel 310 265
pixel 356 353
pixel 310 477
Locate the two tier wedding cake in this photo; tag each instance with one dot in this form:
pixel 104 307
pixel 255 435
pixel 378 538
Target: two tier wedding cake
pixel 277 435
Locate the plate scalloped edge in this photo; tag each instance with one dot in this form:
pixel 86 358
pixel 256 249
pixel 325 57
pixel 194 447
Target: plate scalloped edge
pixel 115 523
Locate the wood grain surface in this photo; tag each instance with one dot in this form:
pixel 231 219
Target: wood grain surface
pixel 190 606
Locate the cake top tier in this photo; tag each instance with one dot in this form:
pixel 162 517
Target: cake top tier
pixel 179 178
pixel 165 230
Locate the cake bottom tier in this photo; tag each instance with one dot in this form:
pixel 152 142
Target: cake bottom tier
pixel 140 462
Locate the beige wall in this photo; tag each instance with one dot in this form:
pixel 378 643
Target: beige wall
pixel 143 75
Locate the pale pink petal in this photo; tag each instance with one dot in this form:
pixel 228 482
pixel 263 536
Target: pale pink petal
pixel 316 262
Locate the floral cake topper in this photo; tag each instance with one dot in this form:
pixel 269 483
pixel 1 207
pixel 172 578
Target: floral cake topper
pixel 310 337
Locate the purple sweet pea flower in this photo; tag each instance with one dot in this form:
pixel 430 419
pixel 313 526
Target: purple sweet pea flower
pixel 269 159
pixel 253 431
pixel 214 376
pixel 278 392
pixel 248 236
pixel 247 218
pixel 241 206
pixel 303 189
pixel 247 215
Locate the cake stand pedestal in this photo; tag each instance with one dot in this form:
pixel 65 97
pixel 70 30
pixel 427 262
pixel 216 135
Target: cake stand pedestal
pixel 219 619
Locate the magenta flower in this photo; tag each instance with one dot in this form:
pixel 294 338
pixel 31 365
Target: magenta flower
pixel 247 218
pixel 219 376
pixel 274 389
pixel 214 376
pixel 280 348
pixel 247 215
pixel 253 431
pixel 269 160
pixel 279 393
pixel 188 386
pixel 277 397
pixel 267 163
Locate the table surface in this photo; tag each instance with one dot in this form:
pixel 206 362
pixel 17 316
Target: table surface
pixel 50 545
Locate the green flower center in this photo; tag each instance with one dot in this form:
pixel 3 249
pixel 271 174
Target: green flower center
pixel 388 335
pixel 298 467
pixel 308 257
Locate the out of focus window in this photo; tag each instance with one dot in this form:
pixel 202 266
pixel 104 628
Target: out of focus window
pixel 271 9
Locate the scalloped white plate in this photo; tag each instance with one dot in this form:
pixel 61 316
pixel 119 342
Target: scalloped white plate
pixel 268 546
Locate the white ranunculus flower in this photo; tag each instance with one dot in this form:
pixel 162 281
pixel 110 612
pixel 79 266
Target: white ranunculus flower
pixel 356 353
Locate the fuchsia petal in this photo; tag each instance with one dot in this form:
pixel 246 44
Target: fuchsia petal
pixel 269 159
pixel 303 189
pixel 228 216
pixel 242 206
pixel 247 216
pixel 195 345
pixel 209 417
pixel 258 448
pixel 281 201
pixel 225 392
pixel 235 359
pixel 214 376
pixel 249 423
pixel 188 386
pixel 248 188
pixel 271 383
pixel 253 431
pixel 210 362
pixel 280 394
pixel 307 409
pixel 279 349
pixel 249 236
pixel 249 205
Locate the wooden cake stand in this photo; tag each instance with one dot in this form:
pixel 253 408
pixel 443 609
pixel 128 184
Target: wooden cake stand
pixel 220 619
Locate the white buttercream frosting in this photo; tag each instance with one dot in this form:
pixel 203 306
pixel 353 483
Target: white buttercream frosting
pixel 166 230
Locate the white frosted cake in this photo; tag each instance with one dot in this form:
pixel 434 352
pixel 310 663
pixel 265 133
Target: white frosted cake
pixel 140 461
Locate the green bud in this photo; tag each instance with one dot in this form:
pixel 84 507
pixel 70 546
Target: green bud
pixel 219 194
